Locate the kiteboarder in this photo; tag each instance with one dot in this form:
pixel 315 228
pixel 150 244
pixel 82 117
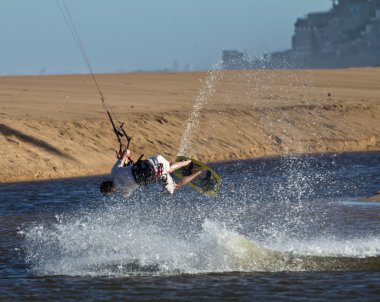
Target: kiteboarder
pixel 127 176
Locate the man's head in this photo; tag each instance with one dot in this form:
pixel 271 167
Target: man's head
pixel 107 187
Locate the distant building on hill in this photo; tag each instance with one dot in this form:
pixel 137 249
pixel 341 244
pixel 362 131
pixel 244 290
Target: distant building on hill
pixel 348 35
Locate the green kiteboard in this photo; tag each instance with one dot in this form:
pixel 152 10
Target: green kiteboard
pixel 207 183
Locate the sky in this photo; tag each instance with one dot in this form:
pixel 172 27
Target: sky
pixel 143 35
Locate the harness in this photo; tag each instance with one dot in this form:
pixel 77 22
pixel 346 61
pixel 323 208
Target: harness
pixel 143 172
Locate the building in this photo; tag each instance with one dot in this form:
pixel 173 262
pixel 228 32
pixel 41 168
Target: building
pixel 348 35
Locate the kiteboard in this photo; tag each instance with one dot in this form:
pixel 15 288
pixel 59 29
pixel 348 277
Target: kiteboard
pixel 207 183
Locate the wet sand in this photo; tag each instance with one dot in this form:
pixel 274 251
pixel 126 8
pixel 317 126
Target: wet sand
pixel 373 198
pixel 55 126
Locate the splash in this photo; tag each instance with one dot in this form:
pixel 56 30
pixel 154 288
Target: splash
pixel 119 241
pixel 271 215
pixel 207 90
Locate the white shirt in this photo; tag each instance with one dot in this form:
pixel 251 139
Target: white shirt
pixel 123 178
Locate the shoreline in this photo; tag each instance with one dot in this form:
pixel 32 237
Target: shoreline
pixel 373 198
pixel 267 157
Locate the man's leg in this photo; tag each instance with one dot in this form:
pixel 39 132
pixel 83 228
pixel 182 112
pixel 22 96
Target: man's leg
pixel 178 165
pixel 188 179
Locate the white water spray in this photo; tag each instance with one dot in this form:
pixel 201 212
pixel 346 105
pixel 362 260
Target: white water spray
pixel 207 90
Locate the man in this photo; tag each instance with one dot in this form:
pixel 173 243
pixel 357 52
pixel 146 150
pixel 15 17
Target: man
pixel 127 176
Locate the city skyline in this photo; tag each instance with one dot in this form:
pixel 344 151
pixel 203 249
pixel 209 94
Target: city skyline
pixel 124 36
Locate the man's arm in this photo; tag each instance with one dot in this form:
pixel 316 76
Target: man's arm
pixel 123 161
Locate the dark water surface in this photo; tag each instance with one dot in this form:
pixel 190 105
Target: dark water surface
pixel 287 228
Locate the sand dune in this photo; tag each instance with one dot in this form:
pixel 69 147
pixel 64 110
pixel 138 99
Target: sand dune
pixel 55 126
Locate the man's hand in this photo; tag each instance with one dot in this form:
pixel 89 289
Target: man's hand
pixel 125 157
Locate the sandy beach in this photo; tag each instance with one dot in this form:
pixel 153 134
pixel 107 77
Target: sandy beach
pixel 55 126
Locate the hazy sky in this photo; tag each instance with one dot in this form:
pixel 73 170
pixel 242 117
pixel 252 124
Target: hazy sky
pixel 125 35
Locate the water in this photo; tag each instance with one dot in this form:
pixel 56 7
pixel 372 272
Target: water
pixel 286 228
